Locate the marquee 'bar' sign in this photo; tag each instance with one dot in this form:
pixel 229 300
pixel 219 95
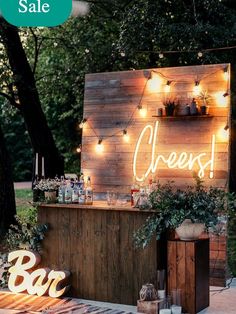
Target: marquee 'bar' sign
pixel 40 281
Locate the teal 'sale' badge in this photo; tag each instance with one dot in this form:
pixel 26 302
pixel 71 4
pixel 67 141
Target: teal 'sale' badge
pixel 36 12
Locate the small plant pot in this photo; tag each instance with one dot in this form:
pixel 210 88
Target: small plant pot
pixel 204 110
pixel 170 112
pixel 188 230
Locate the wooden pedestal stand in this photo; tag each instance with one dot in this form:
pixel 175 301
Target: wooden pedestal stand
pixel 188 270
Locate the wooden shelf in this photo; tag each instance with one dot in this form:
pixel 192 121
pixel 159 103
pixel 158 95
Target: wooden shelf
pixel 197 117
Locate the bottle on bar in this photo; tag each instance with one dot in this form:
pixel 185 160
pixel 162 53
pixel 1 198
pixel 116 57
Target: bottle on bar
pixel 88 193
pixel 81 191
pixel 75 192
pixel 68 192
pixel 61 191
pixel 134 189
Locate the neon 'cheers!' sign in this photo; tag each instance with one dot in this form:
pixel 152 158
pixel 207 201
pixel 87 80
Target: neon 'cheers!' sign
pixel 40 281
pixel 182 160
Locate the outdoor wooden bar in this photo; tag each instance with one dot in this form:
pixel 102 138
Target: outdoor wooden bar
pixel 95 242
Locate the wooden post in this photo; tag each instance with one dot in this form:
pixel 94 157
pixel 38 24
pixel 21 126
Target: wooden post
pixel 188 270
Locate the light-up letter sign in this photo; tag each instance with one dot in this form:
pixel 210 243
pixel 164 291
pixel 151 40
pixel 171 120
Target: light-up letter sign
pixel 182 160
pixel 40 281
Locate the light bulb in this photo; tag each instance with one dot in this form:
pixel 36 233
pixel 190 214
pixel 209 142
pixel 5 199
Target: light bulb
pixel 222 99
pixel 79 149
pixel 99 147
pixel 223 134
pixel 142 111
pixel 226 74
pixel 81 125
pixel 126 136
pixel 197 88
pixel 167 87
pixel 154 83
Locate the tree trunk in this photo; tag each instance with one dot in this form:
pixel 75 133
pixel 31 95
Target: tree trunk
pixel 30 106
pixel 7 194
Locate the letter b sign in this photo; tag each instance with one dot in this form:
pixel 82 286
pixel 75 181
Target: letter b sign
pixel 36 12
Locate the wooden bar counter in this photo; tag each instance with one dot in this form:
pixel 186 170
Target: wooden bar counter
pixel 95 243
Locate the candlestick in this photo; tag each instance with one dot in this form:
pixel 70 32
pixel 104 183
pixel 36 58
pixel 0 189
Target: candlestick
pixel 36 164
pixel 43 170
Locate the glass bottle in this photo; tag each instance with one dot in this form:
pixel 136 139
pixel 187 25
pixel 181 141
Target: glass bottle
pixel 134 189
pixel 88 193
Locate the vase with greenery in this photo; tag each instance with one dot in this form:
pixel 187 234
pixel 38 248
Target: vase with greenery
pixel 170 107
pixel 172 206
pixel 49 188
pixel 204 98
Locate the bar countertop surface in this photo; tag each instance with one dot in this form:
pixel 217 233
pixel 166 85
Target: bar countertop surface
pixel 99 205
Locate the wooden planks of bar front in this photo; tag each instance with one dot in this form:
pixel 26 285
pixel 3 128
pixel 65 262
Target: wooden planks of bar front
pixel 96 244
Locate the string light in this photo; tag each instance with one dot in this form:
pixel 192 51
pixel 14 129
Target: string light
pixel 226 127
pixel 226 74
pixel 167 87
pixel 200 54
pixel 126 136
pixel 82 123
pixel 197 88
pixel 223 133
pixel 161 56
pixel 154 82
pixel 221 98
pixel 99 147
pixel 79 149
pixel 142 111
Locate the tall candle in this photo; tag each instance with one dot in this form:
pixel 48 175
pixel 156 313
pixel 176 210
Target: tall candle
pixel 43 170
pixel 36 164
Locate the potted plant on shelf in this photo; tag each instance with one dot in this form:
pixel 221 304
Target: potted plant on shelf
pixel 204 98
pixel 170 107
pixel 184 210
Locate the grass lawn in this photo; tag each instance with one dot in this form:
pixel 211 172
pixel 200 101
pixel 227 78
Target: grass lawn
pixel 23 201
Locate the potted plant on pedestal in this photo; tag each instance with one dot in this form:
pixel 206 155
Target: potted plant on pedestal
pixel 187 208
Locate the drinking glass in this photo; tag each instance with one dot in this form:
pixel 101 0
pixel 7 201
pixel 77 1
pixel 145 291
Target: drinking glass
pixel 111 198
pixel 176 301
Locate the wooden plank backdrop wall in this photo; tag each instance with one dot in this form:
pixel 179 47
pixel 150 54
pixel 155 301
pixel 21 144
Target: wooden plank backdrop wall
pixel 111 101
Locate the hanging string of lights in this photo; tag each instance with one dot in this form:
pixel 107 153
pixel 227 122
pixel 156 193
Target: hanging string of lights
pixel 152 77
pixel 199 53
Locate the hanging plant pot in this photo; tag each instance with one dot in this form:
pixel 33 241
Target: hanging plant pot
pixel 190 231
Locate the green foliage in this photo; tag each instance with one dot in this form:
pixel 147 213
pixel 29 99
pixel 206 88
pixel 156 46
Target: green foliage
pixel 25 235
pixel 172 206
pixel 152 26
pixel 17 142
pixel 23 202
